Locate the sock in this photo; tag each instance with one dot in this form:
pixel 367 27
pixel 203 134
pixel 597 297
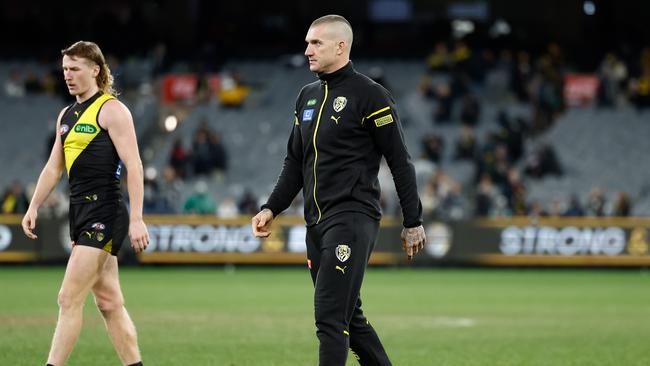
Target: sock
pixel 137 364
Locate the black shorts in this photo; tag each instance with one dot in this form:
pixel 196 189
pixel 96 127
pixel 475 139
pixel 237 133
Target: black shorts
pixel 101 224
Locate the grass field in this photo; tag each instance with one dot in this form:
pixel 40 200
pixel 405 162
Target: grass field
pixel 257 316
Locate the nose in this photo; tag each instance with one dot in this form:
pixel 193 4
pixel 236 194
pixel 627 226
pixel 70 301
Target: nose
pixel 308 51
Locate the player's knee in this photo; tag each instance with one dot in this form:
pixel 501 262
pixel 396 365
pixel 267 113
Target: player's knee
pixel 68 300
pixel 107 306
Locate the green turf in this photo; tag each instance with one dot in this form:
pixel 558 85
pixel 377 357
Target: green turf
pixel 213 316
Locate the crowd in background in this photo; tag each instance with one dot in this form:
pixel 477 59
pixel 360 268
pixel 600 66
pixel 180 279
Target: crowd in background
pixel 504 159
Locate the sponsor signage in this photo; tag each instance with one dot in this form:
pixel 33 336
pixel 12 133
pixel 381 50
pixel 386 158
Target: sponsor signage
pixel 494 242
pixel 522 241
pixel 185 239
pixel 184 87
pixel 580 89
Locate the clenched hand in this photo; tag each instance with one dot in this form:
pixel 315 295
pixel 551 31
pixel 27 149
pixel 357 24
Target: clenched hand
pixel 413 240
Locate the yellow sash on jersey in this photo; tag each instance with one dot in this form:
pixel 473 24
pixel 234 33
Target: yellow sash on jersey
pixel 83 132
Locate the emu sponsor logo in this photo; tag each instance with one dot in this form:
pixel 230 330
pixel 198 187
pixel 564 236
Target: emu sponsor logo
pixel 565 241
pixel 84 128
pixel 202 239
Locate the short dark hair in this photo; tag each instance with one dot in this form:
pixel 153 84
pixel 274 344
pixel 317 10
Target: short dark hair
pixel 331 18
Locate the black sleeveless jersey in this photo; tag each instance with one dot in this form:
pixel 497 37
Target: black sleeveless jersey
pixel 91 159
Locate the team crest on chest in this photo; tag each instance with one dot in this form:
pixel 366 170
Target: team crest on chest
pixel 339 103
pixel 343 252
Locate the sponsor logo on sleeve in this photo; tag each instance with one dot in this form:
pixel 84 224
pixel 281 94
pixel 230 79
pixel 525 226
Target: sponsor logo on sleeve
pixel 307 115
pixel 382 121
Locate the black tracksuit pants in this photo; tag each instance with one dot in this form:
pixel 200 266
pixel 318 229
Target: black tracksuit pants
pixel 338 250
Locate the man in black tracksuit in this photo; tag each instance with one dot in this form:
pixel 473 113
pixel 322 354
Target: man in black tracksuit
pixel 343 124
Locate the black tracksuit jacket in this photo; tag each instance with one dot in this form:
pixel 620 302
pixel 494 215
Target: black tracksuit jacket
pixel 343 124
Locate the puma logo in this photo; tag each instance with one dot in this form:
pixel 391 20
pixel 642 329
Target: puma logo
pixel 76 113
pixel 338 268
pixel 335 119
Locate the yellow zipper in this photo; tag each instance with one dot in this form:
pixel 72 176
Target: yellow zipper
pixel 316 150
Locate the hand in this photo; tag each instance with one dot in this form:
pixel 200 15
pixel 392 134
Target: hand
pixel 413 240
pixel 29 223
pixel 261 223
pixel 139 235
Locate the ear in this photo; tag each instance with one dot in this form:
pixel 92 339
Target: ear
pixel 95 71
pixel 340 47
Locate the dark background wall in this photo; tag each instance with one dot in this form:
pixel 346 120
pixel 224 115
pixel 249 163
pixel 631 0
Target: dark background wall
pixel 266 29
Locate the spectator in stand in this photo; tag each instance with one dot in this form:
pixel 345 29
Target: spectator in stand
pixel 470 111
pixel 200 202
pixel 596 202
pixel 557 207
pixel 486 196
pixel 218 152
pixel 429 200
pixel 536 209
pixel 501 167
pixel 33 84
pixel 232 92
pixel 202 153
pixel 444 103
pixel 543 161
pixel 515 193
pixel 466 144
pixel 248 204
pixel 14 200
pixel 453 203
pixel 574 207
pixel 548 87
pixel 14 85
pixel 640 87
pixel 520 77
pixel 150 194
pixel 170 192
pixel 612 73
pixel 461 57
pixel 622 205
pixel 178 158
pixel 227 208
pixel 439 60
pixel 51 84
pixel 433 147
pixel 485 158
pixel 511 133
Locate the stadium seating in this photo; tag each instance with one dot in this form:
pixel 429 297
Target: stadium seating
pixel 596 147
